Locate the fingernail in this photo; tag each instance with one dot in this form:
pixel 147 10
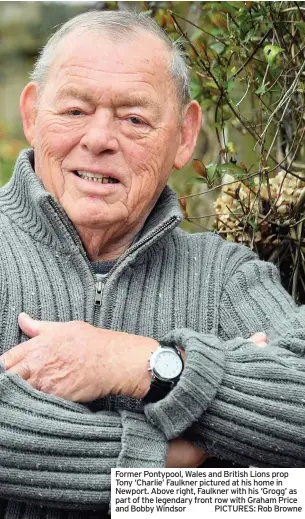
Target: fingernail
pixel 24 314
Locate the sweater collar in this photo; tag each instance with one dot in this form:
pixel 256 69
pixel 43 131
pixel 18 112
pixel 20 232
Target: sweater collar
pixel 25 201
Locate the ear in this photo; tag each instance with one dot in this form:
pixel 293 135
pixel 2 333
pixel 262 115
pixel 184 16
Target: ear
pixel 28 110
pixel 190 128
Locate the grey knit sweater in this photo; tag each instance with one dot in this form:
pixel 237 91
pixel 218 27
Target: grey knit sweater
pixel 239 401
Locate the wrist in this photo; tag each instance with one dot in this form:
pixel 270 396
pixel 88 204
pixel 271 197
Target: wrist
pixel 166 366
pixel 183 354
pixel 141 378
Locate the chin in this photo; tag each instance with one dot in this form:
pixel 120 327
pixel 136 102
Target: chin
pixel 87 219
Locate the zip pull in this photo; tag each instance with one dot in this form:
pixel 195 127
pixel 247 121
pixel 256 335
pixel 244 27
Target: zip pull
pixel 99 286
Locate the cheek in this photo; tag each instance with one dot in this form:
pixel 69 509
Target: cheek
pixel 52 144
pixel 56 140
pixel 151 160
pixel 150 165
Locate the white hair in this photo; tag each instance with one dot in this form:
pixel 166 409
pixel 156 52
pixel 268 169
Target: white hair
pixel 117 24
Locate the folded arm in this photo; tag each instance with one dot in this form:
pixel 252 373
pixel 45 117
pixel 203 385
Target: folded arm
pixel 55 452
pixel 241 402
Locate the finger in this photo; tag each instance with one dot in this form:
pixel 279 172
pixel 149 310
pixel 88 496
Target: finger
pixel 258 337
pixel 32 327
pixel 22 369
pixel 14 356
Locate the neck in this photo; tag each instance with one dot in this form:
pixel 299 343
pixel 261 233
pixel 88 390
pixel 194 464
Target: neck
pixel 104 245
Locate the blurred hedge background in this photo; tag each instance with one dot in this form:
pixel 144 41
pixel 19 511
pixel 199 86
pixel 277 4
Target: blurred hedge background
pixel 247 65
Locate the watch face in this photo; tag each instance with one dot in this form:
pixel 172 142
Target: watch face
pixel 168 364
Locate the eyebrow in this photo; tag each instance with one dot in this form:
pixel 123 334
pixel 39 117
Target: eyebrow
pixel 77 94
pixel 132 100
pixel 137 100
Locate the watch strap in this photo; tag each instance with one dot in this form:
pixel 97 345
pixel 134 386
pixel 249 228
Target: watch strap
pixel 158 390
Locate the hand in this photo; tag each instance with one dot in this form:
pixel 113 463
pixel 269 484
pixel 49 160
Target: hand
pixel 79 362
pixel 183 454
pixel 259 338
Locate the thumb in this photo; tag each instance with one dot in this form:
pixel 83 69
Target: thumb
pixel 32 327
pixel 29 326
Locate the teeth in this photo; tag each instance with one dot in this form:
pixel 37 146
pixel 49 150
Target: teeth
pixel 86 175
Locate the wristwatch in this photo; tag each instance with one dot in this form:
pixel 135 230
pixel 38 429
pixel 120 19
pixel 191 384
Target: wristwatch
pixel 166 366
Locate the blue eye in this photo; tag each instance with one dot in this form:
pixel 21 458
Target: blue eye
pixel 135 120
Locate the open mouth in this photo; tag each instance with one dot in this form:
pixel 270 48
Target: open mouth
pixel 95 177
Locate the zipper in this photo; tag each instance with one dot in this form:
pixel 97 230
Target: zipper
pixel 164 226
pixel 98 293
pixel 138 245
pixel 99 288
pixel 70 231
pixel 100 285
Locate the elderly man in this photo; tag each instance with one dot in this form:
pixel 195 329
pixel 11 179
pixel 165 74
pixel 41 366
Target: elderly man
pixel 96 275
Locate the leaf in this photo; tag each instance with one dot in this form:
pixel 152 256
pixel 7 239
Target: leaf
pixel 226 116
pixel 218 47
pixel 206 103
pixel 230 167
pixel 182 202
pixel 226 7
pixel 301 27
pixel 235 4
pixel 217 31
pixel 218 71
pixel 262 89
pixel 252 223
pixel 212 170
pixel 248 37
pixel 218 125
pixel 195 89
pixel 211 85
pixel 231 147
pixel 229 85
pixel 301 87
pixel 275 71
pixel 200 168
pixel 196 35
pixel 271 51
pixel 197 180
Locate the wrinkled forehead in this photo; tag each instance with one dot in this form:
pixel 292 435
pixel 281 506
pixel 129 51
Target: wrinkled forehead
pixel 114 52
pixel 104 67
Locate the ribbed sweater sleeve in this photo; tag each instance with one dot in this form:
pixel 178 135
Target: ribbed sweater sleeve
pixel 57 453
pixel 245 403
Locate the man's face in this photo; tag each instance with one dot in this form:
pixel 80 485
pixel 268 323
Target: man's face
pixel 108 110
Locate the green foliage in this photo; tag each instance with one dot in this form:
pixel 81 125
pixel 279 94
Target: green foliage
pixel 271 52
pixel 246 56
pixel 247 72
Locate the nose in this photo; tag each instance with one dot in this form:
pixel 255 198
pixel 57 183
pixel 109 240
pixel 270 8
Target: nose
pixel 99 136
